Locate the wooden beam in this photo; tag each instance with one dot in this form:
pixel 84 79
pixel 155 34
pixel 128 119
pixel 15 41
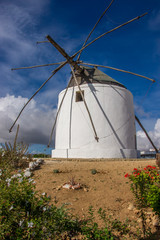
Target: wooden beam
pixel 136 18
pixel 140 124
pixel 95 27
pixel 90 117
pixel 117 69
pixel 64 54
pixel 44 65
pixel 53 73
pixel 42 42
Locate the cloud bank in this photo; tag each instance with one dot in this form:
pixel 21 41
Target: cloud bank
pixel 37 119
pixel 143 142
pixel 35 122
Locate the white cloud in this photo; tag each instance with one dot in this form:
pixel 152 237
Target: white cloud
pixel 140 111
pixel 37 119
pixel 35 122
pixel 143 142
pixel 154 23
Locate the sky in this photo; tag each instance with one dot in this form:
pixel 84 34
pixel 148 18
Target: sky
pixel 135 47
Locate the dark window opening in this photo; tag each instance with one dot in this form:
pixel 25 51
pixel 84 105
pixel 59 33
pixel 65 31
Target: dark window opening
pixel 79 97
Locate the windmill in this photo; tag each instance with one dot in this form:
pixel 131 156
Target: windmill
pixel 86 123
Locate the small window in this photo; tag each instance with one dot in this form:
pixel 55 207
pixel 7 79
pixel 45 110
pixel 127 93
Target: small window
pixel 79 97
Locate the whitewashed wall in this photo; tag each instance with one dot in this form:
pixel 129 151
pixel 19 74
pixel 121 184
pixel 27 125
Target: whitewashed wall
pixel 111 108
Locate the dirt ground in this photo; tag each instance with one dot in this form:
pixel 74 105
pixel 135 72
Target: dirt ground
pixel 108 188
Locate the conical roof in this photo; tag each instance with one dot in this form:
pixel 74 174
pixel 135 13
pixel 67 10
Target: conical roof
pixel 93 75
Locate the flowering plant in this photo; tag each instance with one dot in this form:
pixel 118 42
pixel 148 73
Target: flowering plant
pixel 145 187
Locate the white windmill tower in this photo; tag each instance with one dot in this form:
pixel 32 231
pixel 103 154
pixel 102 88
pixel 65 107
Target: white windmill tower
pixel 95 116
pixel 105 129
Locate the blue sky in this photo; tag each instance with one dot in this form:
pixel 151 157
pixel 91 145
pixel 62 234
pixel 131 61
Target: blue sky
pixel 135 47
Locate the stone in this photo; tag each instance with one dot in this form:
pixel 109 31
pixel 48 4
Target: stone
pixel 139 220
pixel 149 213
pixel 32 166
pixel 40 161
pixel 85 189
pixel 27 174
pixel 148 220
pixel 131 207
pixel 136 211
pixel 155 221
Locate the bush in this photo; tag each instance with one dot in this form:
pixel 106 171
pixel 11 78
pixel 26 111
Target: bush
pixel 93 171
pixel 14 156
pixel 145 187
pixel 41 155
pixel 144 184
pixel 56 171
pixel 26 214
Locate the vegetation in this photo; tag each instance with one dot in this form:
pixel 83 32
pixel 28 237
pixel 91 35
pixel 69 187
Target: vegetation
pixel 145 185
pixel 93 171
pixel 14 156
pixel 28 214
pixel 41 155
pixel 56 171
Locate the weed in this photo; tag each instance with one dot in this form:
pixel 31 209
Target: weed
pixel 56 171
pixel 14 155
pixel 93 171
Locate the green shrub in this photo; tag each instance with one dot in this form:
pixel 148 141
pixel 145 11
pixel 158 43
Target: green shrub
pixel 145 187
pixel 153 198
pixel 41 155
pixel 14 156
pixel 56 171
pixel 142 184
pixel 26 214
pixel 93 171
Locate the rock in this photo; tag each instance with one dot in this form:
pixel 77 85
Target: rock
pixel 67 186
pixel 155 221
pixel 149 213
pixel 18 175
pixel 34 165
pixel 27 169
pixel 58 188
pixel 136 211
pixel 148 220
pixel 131 207
pixel 85 189
pixel 31 166
pixel 27 174
pixel 40 161
pixel 139 220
